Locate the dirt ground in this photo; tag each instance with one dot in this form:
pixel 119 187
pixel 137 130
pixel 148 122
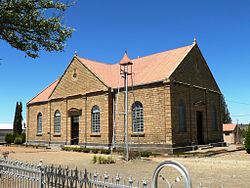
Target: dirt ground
pixel 230 169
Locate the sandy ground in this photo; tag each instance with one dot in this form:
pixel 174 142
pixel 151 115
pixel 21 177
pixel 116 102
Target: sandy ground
pixel 228 169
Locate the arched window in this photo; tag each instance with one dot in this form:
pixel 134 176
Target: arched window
pixel 137 117
pixel 39 123
pixel 95 119
pixel 57 122
pixel 214 118
pixel 182 116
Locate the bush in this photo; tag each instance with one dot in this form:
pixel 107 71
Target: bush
pixel 85 150
pixel 247 141
pixel 94 160
pixel 18 140
pixel 146 153
pixel 110 160
pixel 95 151
pixel 105 151
pixel 100 159
pixel 9 138
pixel 23 136
pixel 105 160
pixel 14 136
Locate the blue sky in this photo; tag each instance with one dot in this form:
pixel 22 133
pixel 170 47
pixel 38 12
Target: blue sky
pixel 105 29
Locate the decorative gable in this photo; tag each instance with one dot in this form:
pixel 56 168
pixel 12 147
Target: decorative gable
pixel 194 70
pixel 77 80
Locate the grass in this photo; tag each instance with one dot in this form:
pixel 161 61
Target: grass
pixel 103 159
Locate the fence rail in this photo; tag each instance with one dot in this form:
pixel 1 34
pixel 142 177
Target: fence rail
pixel 15 174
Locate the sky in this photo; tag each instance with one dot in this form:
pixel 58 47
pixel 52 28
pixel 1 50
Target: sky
pixel 104 29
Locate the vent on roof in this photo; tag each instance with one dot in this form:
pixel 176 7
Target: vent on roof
pixel 74 75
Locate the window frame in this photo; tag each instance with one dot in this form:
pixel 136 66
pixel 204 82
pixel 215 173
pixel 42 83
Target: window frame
pixel 182 124
pixel 95 120
pixel 57 122
pixel 137 117
pixel 39 123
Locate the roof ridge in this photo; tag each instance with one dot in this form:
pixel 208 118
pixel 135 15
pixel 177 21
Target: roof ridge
pixel 138 57
pixel 162 52
pixel 43 90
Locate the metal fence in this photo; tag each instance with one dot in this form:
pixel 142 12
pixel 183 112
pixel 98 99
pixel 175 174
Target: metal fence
pixel 14 174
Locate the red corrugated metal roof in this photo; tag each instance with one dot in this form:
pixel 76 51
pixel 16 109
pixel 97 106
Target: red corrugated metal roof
pixel 229 127
pixel 148 69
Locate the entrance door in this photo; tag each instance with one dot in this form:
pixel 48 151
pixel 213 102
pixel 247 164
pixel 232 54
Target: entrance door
pixel 74 130
pixel 199 124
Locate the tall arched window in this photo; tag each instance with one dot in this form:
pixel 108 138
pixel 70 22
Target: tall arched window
pixel 182 116
pixel 137 117
pixel 95 119
pixel 214 118
pixel 39 123
pixel 57 122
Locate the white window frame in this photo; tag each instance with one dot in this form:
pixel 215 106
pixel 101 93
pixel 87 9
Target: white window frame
pixel 57 122
pixel 95 119
pixel 137 117
pixel 39 123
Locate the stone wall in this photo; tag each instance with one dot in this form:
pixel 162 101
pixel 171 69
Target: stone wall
pixel 193 83
pixel 156 112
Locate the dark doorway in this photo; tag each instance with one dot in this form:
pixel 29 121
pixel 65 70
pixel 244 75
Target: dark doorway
pixel 199 123
pixel 74 130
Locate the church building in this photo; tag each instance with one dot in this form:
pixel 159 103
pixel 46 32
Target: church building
pixel 174 103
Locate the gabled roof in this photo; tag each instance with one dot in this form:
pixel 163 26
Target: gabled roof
pixel 229 127
pixel 45 94
pixel 147 69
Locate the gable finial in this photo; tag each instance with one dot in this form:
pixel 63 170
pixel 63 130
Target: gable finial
pixel 195 41
pixel 75 54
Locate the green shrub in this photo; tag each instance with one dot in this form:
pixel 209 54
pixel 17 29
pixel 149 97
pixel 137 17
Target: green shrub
pixel 94 159
pixel 67 149
pixel 95 151
pixel 77 149
pixel 9 138
pixel 105 151
pixel 100 159
pixel 85 150
pixel 247 141
pixel 18 140
pixel 110 160
pixel 14 136
pixel 23 135
pixel 105 160
pixel 146 153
